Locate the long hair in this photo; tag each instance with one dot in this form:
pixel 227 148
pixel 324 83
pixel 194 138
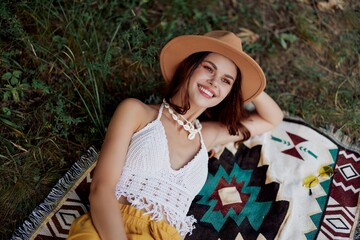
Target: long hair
pixel 229 112
pixel 181 78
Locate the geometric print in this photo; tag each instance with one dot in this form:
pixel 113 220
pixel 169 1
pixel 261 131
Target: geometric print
pixel 253 191
pixel 75 205
pixel 59 225
pixel 236 201
pixel 348 166
pixel 294 141
pixel 347 180
pixel 330 213
pixel 341 210
pixel 348 172
pixel 338 221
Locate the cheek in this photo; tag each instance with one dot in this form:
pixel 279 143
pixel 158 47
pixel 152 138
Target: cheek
pixel 226 91
pixel 200 72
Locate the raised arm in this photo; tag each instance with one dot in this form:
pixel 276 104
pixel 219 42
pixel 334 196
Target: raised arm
pixel 266 117
pixel 104 208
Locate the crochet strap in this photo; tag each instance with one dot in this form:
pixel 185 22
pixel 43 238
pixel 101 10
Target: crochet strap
pixel 160 111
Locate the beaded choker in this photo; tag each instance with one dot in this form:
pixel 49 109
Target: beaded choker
pixel 188 126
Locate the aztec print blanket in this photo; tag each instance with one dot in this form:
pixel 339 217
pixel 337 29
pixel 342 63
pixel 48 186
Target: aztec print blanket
pixel 254 191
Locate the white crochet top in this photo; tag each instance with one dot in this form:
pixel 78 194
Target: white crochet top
pixel 149 183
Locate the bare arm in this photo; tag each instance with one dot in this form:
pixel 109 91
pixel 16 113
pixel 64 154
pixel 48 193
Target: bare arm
pixel 105 212
pixel 267 116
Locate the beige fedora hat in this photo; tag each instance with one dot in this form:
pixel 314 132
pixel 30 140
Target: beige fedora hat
pixel 223 42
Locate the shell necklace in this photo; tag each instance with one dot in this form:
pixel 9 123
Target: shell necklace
pixel 188 126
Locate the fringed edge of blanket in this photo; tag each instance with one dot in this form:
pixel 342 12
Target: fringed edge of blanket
pixel 48 207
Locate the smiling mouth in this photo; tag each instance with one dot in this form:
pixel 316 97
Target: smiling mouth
pixel 206 91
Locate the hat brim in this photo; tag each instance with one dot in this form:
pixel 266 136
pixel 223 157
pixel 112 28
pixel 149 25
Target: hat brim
pixel 179 48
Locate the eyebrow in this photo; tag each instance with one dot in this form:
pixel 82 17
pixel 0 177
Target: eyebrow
pixel 214 66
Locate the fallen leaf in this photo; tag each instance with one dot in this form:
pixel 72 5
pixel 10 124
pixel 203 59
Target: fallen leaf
pixel 330 5
pixel 304 1
pixel 247 35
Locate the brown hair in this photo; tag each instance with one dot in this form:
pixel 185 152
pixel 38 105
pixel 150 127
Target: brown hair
pixel 229 112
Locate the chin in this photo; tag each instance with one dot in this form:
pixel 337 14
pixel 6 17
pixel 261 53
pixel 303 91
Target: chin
pixel 207 103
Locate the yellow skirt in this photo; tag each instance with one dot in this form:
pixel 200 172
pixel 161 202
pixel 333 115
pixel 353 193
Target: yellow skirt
pixel 137 227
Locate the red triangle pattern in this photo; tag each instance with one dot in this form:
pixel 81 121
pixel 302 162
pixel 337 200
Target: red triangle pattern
pixel 293 151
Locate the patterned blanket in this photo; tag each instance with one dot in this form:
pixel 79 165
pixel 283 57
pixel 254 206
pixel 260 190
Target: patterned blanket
pixel 254 191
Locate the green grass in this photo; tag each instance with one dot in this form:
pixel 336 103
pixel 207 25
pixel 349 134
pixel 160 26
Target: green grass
pixel 65 65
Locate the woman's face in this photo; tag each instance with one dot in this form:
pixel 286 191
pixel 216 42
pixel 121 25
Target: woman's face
pixel 212 80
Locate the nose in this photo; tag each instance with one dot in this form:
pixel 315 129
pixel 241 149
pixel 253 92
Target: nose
pixel 212 81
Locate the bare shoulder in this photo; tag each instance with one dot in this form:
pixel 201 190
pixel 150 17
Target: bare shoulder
pixel 134 106
pixel 133 103
pixel 136 111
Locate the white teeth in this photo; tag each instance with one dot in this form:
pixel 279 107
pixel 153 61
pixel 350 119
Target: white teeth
pixel 207 92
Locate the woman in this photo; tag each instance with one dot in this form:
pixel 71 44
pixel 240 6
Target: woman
pixel 154 157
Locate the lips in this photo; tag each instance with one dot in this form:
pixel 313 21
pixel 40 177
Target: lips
pixel 206 91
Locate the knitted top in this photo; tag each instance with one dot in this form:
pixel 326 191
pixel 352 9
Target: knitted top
pixel 149 183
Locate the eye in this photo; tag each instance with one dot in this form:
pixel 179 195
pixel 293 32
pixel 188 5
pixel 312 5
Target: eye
pixel 226 81
pixel 208 68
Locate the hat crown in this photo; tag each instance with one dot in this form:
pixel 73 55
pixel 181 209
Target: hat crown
pixel 226 37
